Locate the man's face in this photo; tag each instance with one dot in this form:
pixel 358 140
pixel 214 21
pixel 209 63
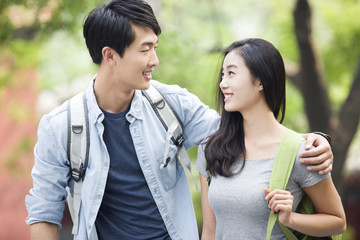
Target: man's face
pixel 133 70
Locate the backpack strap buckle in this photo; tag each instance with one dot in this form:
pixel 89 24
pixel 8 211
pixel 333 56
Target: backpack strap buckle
pixel 179 141
pixel 78 173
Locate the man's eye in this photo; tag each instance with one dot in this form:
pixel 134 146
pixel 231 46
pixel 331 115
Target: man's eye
pixel 145 50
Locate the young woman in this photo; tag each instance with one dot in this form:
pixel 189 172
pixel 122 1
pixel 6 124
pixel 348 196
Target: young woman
pixel 240 156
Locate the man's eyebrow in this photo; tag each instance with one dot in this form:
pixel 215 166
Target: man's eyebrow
pixel 149 43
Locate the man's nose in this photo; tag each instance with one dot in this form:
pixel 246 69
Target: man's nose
pixel 154 61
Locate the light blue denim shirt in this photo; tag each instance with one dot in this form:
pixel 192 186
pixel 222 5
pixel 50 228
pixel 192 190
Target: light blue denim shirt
pixel 168 186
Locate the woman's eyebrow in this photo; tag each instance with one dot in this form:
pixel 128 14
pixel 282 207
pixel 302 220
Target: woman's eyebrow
pixel 231 66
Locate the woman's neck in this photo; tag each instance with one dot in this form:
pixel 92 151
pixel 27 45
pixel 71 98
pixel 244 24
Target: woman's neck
pixel 263 134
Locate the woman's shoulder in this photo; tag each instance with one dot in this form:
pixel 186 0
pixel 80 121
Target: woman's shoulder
pixel 201 161
pixel 303 176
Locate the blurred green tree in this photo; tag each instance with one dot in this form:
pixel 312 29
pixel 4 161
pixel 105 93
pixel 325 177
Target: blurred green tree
pixel 323 64
pixel 341 120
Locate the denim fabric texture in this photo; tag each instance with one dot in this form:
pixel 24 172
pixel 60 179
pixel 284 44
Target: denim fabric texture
pixel 169 186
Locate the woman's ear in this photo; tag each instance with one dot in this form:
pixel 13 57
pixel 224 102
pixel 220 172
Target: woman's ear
pixel 259 84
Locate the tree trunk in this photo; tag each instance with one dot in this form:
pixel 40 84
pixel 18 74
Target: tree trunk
pixel 317 104
pixel 348 122
pixel 341 127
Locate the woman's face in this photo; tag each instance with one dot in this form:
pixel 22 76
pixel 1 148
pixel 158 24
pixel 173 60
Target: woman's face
pixel 240 90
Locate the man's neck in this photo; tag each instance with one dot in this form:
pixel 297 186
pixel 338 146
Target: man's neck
pixel 111 97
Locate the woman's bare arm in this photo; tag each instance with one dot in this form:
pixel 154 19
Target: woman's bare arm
pixel 209 221
pixel 329 218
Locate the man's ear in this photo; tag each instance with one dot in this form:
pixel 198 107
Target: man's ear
pixel 108 55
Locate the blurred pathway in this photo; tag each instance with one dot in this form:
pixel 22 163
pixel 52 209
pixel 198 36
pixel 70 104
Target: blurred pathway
pixel 18 124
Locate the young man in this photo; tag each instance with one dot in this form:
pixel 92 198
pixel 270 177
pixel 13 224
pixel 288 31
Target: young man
pixel 125 194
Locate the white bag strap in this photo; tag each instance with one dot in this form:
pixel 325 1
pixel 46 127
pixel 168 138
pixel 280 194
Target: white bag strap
pixel 78 151
pixel 165 114
pixel 168 137
pixel 172 125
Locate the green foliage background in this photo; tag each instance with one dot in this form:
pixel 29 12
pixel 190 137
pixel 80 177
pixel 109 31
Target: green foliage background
pixel 193 34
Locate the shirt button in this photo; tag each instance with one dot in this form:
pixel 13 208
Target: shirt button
pixel 106 164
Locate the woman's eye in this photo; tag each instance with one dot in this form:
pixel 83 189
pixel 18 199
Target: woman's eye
pixel 231 73
pixel 222 75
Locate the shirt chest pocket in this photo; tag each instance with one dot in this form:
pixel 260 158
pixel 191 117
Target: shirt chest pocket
pixel 171 172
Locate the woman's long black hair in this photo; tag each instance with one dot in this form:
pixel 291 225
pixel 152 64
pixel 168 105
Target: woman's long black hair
pixel 227 145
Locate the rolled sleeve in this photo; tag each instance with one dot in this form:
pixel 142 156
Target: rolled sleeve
pixel 43 211
pixel 46 200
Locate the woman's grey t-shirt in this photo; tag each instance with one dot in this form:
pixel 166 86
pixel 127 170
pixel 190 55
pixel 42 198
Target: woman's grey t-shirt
pixel 239 203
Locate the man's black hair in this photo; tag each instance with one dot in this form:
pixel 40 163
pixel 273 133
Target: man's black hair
pixel 111 25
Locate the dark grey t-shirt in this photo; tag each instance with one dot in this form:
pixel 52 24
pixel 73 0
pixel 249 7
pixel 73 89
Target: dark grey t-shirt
pixel 239 203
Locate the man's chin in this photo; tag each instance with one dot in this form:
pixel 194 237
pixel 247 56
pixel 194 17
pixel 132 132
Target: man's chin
pixel 144 86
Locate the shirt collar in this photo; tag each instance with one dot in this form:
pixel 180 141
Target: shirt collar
pixel 96 113
pixel 136 105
